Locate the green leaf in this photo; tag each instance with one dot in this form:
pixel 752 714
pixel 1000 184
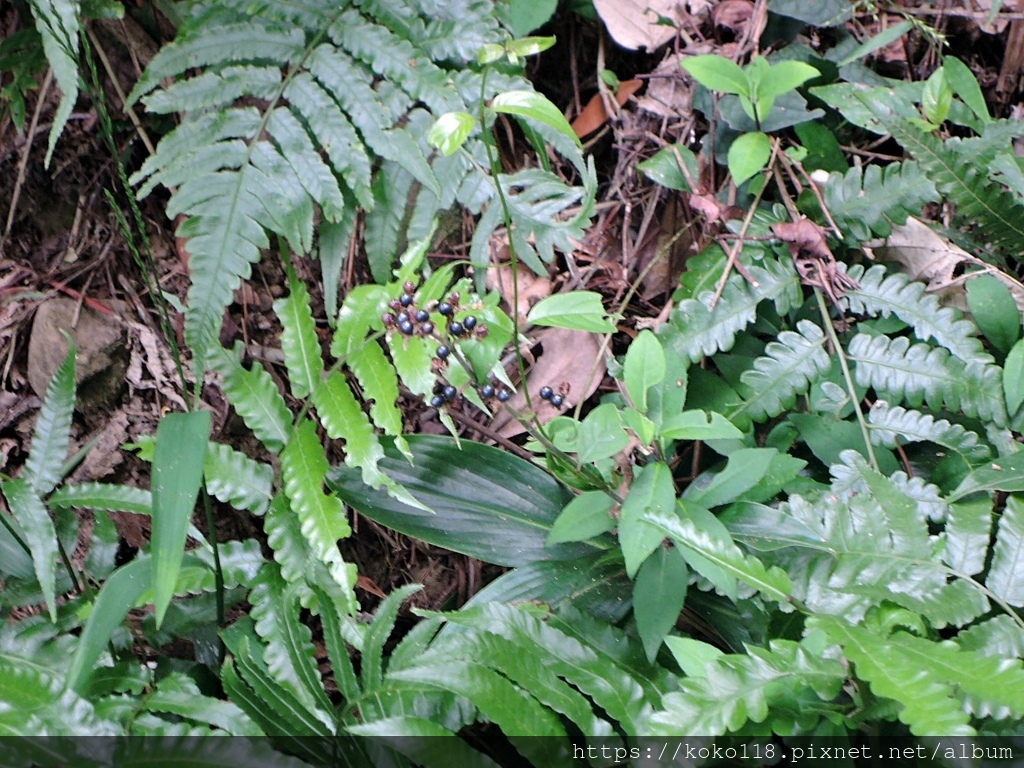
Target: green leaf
pixel 748 155
pixel 994 311
pixel 39 534
pixel 52 434
pixel 179 695
pixel 785 76
pixel 601 434
pixel 58 24
pixel 644 368
pixel 877 42
pixel 674 166
pixel 181 440
pixel 717 73
pixel 692 655
pixel 344 419
pixel 423 741
pixel 658 597
pixel 489 504
pixel 298 339
pixel 255 397
pixel 1006 474
pixel 652 492
pixel 742 472
pixel 579 310
pixel 586 516
pixel 1006 574
pixel 450 131
pixel 523 16
pixel 103 496
pixel 714 545
pixel 1013 377
pixel 534 106
pixel 936 97
pixel 963 83
pixel 235 479
pixel 698 425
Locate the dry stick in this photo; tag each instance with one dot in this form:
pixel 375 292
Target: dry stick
pixel 23 163
pixel 125 107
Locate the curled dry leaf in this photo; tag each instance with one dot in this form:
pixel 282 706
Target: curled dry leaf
pixel 569 358
pixel 532 288
pixel 594 115
pixel 635 24
pixel 813 258
pixel 935 261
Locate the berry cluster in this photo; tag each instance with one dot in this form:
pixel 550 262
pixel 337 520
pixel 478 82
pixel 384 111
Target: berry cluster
pixel 555 398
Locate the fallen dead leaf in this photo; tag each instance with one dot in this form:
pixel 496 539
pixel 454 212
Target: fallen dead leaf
pixel 669 93
pixel 568 360
pixel 532 288
pixel 594 115
pixel 635 24
pixel 732 14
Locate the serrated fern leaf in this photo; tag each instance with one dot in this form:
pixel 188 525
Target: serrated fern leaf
pixel 377 635
pixel 322 516
pixel 790 365
pixel 235 479
pixel 104 496
pixel 52 434
pixel 379 382
pixel 289 652
pixel 897 294
pixel 704 331
pixel 343 418
pixel 41 537
pixel 738 688
pixel 255 397
pixel 298 339
pixel 59 26
pixel 864 201
pixel 284 535
pixel 889 425
pixel 968 527
pixel 1006 574
pixel 919 373
pixel 178 694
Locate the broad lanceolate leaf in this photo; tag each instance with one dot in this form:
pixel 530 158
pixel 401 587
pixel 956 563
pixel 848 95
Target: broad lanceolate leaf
pixel 717 73
pixel 643 368
pixel 50 439
pixel 486 503
pixel 749 154
pixel 181 440
pixel 298 339
pixel 322 516
pixel 994 311
pixel 652 492
pixel 579 310
pixel 40 536
pixel 658 597
pixel 533 106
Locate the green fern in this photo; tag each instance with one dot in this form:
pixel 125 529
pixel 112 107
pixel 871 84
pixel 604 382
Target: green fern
pixel 865 202
pixel 60 27
pixel 888 424
pixel 1006 574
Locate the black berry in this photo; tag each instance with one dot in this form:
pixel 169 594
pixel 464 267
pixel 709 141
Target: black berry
pixel 428 328
pixel 445 309
pixel 546 393
pixel 450 392
pixel 456 328
pixel 436 401
pixel 487 391
pixel 557 400
pixel 406 300
pixel 422 315
pixel 403 317
pixel 409 287
pixel 406 327
pixel 504 395
pixel 443 351
pixel 469 322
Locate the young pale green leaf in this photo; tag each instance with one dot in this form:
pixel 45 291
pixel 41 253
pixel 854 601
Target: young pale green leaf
pixel 644 368
pixel 748 155
pixel 674 166
pixel 583 518
pixel 255 397
pixel 450 131
pixel 785 76
pixel 698 425
pixel 994 311
pixel 533 106
pixel 717 73
pixel 692 655
pixel 40 536
pixel 1013 378
pixel 937 97
pixel 579 310
pixel 601 434
pixel 965 85
pixel 714 545
pixel 1006 574
pixel 658 597
pixel 652 493
pixel 298 339
pixel 53 429
pixel 181 446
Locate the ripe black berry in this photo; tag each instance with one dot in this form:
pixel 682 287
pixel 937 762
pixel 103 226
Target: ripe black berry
pixel 445 309
pixel 406 300
pixel 388 319
pixel 428 328
pixel 436 401
pixel 409 287
pixel 504 395
pixel 422 315
pixel 443 351
pixel 469 322
pixel 406 327
pixel 487 391
pixel 546 393
pixel 403 317
pixel 449 393
pixel 456 328
pixel 557 400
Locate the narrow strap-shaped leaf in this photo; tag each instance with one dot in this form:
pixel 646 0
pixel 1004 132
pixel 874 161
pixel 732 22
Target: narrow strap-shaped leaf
pixel 235 479
pixel 40 536
pixel 380 631
pixel 322 516
pixel 341 662
pixel 181 440
pixel 298 339
pixel 257 400
pixel 53 429
pixel 432 745
pixel 105 496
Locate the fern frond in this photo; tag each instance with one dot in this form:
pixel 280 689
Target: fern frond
pixel 179 695
pixel 39 534
pixel 255 397
pixel 968 528
pixel 738 688
pixel 919 373
pixel 284 535
pixel 704 331
pixel 52 434
pixel 790 365
pixel 864 201
pixel 104 496
pixel 897 294
pixel 887 424
pixel 299 343
pixel 1006 574
pixel 58 24
pixel 235 479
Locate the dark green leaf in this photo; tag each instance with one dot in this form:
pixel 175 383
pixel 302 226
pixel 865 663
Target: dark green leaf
pixel 994 311
pixel 658 597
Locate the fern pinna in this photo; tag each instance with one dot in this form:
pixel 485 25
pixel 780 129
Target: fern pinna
pixel 293 116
